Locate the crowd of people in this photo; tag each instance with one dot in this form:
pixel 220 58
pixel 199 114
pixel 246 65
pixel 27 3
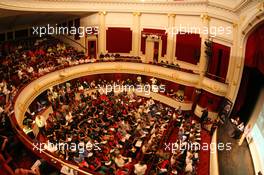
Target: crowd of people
pixel 20 65
pixel 127 129
pixel 125 132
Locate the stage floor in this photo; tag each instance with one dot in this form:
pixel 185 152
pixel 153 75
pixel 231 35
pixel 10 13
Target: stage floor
pixel 238 161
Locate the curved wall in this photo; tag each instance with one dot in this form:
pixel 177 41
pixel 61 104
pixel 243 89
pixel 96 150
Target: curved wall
pixel 33 89
pixel 240 15
pixel 30 92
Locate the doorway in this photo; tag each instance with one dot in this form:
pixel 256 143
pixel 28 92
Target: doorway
pixel 92 49
pixel 153 50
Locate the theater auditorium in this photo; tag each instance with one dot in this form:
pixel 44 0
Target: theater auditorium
pixel 132 87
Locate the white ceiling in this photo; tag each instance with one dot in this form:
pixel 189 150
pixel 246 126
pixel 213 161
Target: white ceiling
pixel 19 19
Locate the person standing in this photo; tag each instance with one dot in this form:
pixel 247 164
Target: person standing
pixel 40 122
pixel 140 168
pixel 204 115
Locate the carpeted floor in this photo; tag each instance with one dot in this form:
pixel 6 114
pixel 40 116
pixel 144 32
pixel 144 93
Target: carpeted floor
pixel 204 155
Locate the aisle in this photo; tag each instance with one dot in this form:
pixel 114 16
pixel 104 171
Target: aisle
pixel 204 155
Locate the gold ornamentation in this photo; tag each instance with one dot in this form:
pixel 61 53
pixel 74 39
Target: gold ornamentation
pixel 205 18
pixel 235 24
pixel 136 14
pixel 36 88
pixel 102 13
pixel 260 6
pixel 215 88
pixel 171 15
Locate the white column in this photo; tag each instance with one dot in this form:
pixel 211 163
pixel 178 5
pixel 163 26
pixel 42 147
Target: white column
pixel 203 63
pixel 171 38
pixel 233 55
pixel 160 49
pixel 149 50
pixel 235 69
pixel 102 34
pixel 136 34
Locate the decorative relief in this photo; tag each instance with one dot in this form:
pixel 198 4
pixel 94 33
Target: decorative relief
pixel 171 15
pixel 146 69
pixel 235 24
pixel 102 13
pixel 136 14
pixel 205 17
pixel 260 6
pixel 36 87
pixel 21 106
pixel 175 76
pixel 215 87
pixel 182 7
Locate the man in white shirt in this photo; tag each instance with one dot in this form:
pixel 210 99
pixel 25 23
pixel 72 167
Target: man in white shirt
pixel 30 69
pixel 1 110
pixel 140 168
pixel 40 122
pixel 188 161
pixel 154 81
pixel 121 160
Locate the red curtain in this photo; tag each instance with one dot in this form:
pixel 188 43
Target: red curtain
pixel 218 65
pixel 255 49
pixel 188 48
pixel 211 101
pixel 241 96
pixel 188 92
pixel 157 32
pixel 252 78
pixel 118 40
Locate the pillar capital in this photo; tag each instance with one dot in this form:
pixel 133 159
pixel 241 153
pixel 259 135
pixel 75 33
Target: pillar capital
pixel 235 24
pixel 102 13
pixel 171 15
pixel 136 14
pixel 205 17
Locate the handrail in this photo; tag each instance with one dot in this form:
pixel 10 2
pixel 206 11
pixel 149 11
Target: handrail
pixel 65 36
pixel 216 77
pixel 61 72
pixel 27 142
pixel 25 139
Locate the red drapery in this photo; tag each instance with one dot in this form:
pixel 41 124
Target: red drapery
pixel 254 60
pixel 188 93
pixel 255 49
pixel 218 65
pixel 118 40
pixel 211 101
pixel 157 32
pixel 241 96
pixel 188 48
